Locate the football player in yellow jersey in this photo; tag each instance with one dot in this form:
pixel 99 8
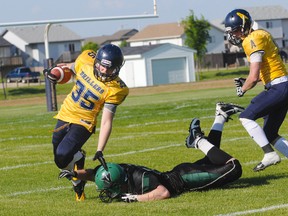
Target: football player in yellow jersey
pixel 267 66
pixel 97 87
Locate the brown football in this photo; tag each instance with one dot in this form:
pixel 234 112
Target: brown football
pixel 62 73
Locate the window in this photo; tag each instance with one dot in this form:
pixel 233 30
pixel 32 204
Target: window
pixel 211 39
pixel 71 47
pixel 5 52
pixel 269 24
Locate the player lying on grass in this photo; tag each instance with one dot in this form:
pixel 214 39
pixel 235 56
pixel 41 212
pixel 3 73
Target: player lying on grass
pixel 129 183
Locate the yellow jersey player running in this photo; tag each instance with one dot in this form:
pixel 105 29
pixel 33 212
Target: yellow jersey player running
pixel 272 103
pixel 97 87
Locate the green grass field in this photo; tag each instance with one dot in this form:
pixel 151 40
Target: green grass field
pixel 148 130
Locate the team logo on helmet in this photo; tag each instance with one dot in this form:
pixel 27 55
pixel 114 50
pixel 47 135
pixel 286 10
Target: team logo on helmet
pixel 242 16
pixel 106 178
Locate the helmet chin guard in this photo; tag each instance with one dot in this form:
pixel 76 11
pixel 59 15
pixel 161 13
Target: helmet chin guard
pixel 105 196
pixel 234 40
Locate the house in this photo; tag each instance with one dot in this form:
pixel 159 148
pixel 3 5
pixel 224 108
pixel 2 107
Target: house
pixel 174 33
pixel 117 38
pixel 157 64
pixel 274 19
pixel 9 54
pixel 30 42
pixel 158 34
pixel 216 37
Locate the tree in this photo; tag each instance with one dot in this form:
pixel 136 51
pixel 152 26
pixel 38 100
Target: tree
pixel 90 46
pixel 124 43
pixel 197 35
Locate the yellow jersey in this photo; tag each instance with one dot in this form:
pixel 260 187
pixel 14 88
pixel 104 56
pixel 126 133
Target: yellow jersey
pixel 88 96
pixel 272 65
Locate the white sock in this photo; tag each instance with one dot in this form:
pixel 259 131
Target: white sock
pixel 218 123
pixel 204 145
pixel 255 131
pixel 77 156
pixel 282 146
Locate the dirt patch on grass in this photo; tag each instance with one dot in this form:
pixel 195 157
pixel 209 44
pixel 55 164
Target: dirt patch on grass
pixel 134 91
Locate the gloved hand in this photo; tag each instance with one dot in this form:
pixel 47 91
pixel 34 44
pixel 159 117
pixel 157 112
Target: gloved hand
pixel 51 77
pixel 239 91
pixel 99 155
pixel 239 82
pixel 67 174
pixel 129 198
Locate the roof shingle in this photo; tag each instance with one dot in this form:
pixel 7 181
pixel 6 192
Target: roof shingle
pixel 267 12
pixel 35 34
pixel 165 30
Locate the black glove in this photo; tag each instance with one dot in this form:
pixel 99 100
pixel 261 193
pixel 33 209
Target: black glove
pixel 51 77
pixel 67 174
pixel 239 82
pixel 129 198
pixel 99 155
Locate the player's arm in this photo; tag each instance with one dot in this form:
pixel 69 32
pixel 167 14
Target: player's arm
pixel 253 77
pixel 159 193
pixel 243 85
pixel 82 174
pixel 108 113
pixel 105 129
pixel 86 174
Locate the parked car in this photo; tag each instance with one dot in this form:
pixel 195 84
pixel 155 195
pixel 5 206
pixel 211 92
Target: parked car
pixel 22 74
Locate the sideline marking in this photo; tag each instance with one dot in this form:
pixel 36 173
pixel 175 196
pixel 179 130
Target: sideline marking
pixel 255 210
pixel 43 190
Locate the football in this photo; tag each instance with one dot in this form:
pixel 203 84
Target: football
pixel 62 73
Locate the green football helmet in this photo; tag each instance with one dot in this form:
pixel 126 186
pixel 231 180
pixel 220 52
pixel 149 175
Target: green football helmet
pixel 109 182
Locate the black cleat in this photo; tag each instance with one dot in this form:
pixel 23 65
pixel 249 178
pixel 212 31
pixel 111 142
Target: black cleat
pixel 195 134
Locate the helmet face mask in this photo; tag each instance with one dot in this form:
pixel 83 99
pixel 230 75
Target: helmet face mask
pixel 233 39
pixel 238 24
pixel 110 57
pixel 105 77
pixel 109 183
pixel 106 196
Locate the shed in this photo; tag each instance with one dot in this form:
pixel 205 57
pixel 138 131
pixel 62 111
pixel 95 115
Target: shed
pixel 157 64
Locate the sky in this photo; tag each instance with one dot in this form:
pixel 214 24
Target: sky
pixel 167 10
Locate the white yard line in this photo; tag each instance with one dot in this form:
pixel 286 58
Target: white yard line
pixel 251 211
pixel 106 156
pixel 121 154
pixel 44 190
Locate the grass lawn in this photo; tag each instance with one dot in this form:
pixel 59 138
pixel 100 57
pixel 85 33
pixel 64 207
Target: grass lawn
pixel 150 128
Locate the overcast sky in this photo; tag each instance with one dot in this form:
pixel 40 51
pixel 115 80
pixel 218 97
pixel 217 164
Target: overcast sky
pixel 168 11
